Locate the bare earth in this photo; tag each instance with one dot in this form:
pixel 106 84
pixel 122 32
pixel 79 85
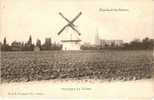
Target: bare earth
pixel 78 74
pixel 76 65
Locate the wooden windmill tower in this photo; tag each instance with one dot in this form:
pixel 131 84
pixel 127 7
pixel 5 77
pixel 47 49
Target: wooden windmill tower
pixel 70 44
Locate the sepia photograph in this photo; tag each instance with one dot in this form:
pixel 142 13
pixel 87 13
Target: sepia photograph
pixel 77 49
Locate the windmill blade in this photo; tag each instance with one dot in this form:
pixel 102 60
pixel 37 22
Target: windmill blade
pixel 76 17
pixel 76 30
pixel 62 30
pixel 66 19
pixel 70 23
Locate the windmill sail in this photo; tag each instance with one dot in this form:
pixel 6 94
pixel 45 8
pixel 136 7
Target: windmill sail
pixel 62 30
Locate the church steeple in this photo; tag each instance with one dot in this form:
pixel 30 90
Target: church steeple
pixel 97 38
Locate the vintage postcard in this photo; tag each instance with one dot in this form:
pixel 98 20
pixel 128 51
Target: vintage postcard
pixel 77 49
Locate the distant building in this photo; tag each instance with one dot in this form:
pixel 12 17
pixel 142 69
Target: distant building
pixel 48 41
pixel 71 45
pixel 30 40
pixel 47 45
pixel 111 43
pixel 97 38
pixel 118 43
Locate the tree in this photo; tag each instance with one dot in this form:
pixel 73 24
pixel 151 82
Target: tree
pixel 147 43
pixel 48 42
pixel 4 41
pixel 5 46
pixel 135 44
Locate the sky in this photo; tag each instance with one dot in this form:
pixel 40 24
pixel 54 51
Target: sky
pixel 120 20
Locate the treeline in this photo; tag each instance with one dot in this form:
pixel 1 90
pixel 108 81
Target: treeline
pixel 137 44
pixel 29 46
pixel 144 44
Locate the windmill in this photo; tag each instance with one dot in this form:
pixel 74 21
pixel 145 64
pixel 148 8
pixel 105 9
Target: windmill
pixel 70 44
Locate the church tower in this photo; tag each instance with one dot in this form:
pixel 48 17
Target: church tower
pixel 97 38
